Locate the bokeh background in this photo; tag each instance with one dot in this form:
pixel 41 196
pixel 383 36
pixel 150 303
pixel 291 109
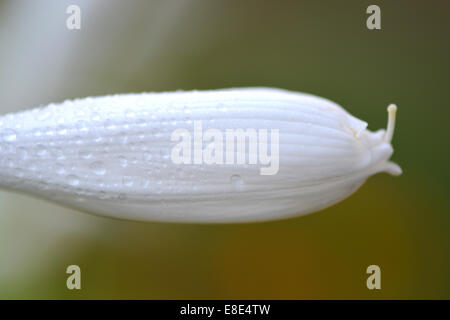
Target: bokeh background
pixel 321 47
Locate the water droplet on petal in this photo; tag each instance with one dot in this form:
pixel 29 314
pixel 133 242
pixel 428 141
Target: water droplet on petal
pixel 127 181
pixel 82 126
pixel 145 183
pixel 59 168
pixel 96 117
pixel 102 195
pixel 43 186
pixel 73 180
pixel 129 113
pixel 147 156
pixel 123 161
pixel 58 152
pixel 23 153
pixel 36 132
pixel 98 168
pixel 109 125
pixel 19 173
pixel 41 150
pixel 62 130
pixel 85 154
pixel 78 140
pixel 9 135
pixel 237 182
pixel 10 163
pixel 122 197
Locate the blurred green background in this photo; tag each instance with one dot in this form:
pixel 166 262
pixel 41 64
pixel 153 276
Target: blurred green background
pixel 321 47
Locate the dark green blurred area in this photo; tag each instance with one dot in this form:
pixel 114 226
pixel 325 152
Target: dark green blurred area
pixel 321 47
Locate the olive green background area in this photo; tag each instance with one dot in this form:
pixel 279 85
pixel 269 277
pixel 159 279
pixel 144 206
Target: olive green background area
pixel 400 223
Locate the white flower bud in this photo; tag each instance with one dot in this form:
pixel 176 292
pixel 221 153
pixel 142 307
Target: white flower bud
pixel 235 155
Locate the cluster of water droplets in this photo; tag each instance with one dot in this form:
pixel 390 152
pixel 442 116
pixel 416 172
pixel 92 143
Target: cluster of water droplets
pixel 79 148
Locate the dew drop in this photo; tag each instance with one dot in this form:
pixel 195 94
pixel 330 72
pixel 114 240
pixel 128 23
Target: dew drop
pixel 109 125
pixel 123 161
pixel 85 154
pixel 19 173
pixel 96 117
pixel 37 132
pixel 10 148
pixel 122 197
pixel 41 150
pixel 222 107
pixel 23 153
pixel 102 195
pixel 237 182
pixel 129 113
pixel 123 139
pixel 145 183
pixel 127 181
pixel 98 168
pixel 80 113
pixel 82 126
pixel 62 131
pixel 44 116
pixel 43 186
pixel 10 163
pixel 58 152
pixel 73 180
pixel 9 135
pixel 59 168
pixel 100 183
pixel 147 156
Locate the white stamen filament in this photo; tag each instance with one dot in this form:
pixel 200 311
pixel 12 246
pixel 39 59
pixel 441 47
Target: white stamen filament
pixel 392 110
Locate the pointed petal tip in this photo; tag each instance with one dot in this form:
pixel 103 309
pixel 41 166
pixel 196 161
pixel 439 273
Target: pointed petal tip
pixel 392 168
